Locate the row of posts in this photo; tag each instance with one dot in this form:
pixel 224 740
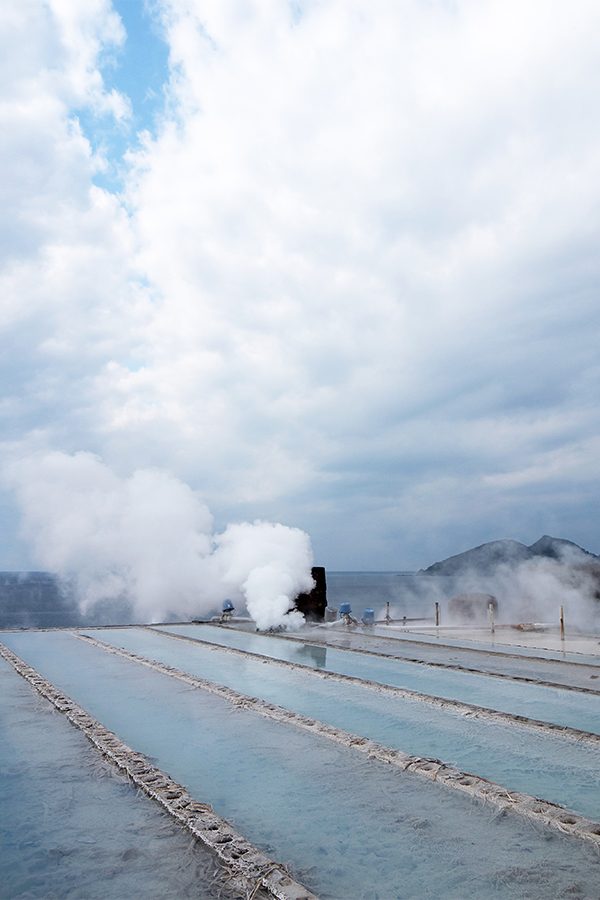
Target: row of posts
pixel 491 618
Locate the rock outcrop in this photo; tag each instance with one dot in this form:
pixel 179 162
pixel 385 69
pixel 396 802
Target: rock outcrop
pixel 487 557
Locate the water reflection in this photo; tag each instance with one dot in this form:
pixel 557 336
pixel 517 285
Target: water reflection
pixel 314 655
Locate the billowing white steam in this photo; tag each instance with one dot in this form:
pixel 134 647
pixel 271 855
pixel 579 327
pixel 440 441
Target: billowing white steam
pixel 528 591
pixel 534 590
pixel 148 539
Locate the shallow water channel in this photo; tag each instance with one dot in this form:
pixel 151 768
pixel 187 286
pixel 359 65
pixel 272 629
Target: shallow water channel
pixel 508 659
pixel 561 707
pixel 510 646
pixel 71 827
pixel 348 826
pixel 549 766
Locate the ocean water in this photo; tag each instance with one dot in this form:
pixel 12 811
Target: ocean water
pixel 407 593
pixel 349 827
pixel 38 600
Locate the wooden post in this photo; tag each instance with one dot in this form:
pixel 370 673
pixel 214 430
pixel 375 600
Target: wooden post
pixel 437 614
pixel 387 612
pixel 562 623
pixel 491 617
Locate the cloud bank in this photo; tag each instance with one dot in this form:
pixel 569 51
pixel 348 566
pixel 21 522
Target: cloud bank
pixel 347 278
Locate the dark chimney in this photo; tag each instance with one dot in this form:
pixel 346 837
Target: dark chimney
pixel 312 605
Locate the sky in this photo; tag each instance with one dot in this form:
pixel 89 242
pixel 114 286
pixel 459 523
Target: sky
pixel 327 263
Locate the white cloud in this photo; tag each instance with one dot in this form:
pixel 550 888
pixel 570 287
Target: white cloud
pixel 68 296
pixel 353 277
pixel 85 32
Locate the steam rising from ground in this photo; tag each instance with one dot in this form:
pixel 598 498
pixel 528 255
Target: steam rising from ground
pixel 148 540
pixel 527 591
pixel 535 589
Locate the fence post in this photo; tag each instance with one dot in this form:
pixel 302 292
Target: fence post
pixel 491 617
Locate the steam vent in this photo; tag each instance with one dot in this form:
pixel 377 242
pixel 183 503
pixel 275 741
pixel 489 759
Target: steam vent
pixel 381 753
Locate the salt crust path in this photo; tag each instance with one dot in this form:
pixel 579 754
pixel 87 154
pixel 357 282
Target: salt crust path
pixel 466 709
pixel 250 868
pixel 541 811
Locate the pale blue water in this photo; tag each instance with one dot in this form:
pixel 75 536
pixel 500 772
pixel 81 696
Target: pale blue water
pixel 350 827
pixel 534 701
pixel 70 827
pixel 432 650
pixel 490 646
pixel 546 766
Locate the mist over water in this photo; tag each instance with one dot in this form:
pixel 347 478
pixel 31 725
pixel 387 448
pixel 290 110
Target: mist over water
pixel 535 589
pixel 526 592
pixel 147 540
pixel 146 543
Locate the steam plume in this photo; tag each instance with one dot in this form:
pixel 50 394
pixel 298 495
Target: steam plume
pixel 531 590
pixel 148 539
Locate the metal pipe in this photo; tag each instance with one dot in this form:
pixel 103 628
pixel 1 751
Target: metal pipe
pixel 437 614
pixel 562 623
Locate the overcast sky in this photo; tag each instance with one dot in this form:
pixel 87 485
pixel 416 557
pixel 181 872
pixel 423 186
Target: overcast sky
pixel 332 263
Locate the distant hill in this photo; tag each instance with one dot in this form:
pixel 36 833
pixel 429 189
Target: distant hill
pixel 485 558
pixel 559 548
